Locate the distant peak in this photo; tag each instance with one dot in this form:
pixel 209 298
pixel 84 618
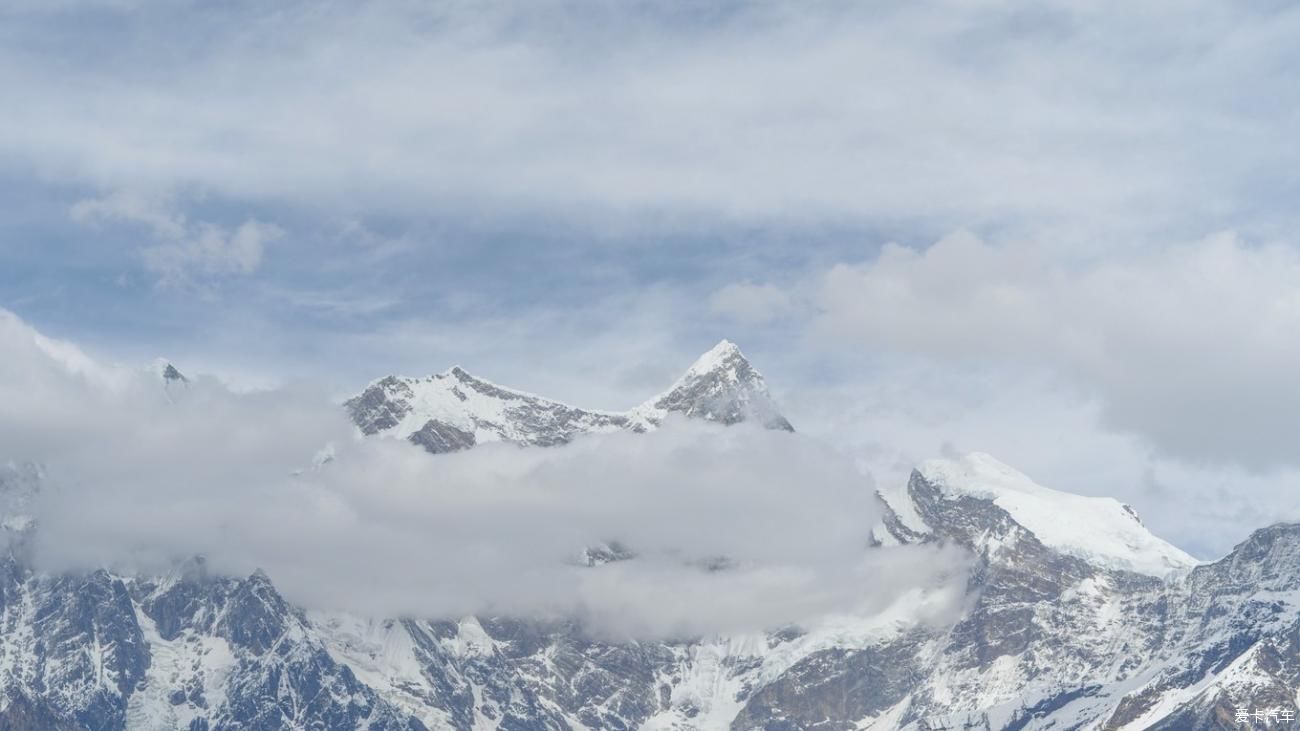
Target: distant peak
pixel 472 381
pixel 720 386
pixel 171 374
pixel 718 356
pixel 454 406
pixel 168 372
pixel 725 345
pixel 1100 530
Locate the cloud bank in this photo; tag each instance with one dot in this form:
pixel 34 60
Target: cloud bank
pixel 1191 347
pixel 138 476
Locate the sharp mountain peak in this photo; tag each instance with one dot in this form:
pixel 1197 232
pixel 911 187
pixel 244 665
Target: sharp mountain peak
pixel 455 410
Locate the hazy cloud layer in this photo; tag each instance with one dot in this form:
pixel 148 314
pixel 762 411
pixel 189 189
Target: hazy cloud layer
pixel 749 303
pixel 139 475
pixel 989 111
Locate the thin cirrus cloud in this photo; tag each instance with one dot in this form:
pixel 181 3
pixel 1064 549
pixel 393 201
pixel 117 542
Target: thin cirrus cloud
pixel 138 476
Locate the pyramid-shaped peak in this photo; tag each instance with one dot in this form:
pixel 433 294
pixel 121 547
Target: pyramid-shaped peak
pixel 721 386
pixel 725 347
pixel 168 372
pixel 719 356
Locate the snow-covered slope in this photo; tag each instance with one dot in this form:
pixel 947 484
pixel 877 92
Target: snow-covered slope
pixel 719 386
pixel 1100 530
pixel 454 410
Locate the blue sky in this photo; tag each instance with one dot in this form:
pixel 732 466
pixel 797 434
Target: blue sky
pixel 1061 235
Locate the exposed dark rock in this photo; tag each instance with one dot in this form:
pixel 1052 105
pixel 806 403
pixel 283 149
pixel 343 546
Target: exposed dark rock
pixel 439 437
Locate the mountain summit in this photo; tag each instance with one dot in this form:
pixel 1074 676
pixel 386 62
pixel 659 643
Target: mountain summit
pixel 169 374
pixel 454 410
pixel 986 505
pixel 721 386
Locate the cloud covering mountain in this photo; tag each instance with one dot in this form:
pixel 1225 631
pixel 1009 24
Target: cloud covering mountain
pixel 732 527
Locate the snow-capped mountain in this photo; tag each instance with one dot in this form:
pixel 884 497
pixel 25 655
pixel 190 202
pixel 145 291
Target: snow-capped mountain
pixel 1076 617
pixel 1099 530
pixel 167 373
pixel 720 386
pixel 454 410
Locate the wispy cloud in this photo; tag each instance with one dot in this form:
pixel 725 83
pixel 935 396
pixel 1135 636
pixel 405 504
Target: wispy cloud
pixel 181 250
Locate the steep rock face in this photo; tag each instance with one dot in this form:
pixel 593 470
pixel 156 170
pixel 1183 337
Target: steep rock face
pixel 501 672
pixel 455 410
pixel 438 437
pixel 834 689
pixel 1058 637
pixel 1232 641
pixel 72 650
pixel 1038 632
pixel 1042 630
pixel 233 654
pixel 106 652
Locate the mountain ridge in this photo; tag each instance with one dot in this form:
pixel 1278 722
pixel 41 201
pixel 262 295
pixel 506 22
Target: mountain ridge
pixel 455 410
pixel 1100 530
pixel 1050 637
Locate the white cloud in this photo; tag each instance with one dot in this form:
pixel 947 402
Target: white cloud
pixel 213 250
pixel 182 248
pixel 1192 347
pixel 138 478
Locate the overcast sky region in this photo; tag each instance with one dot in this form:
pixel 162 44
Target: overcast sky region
pixel 1062 234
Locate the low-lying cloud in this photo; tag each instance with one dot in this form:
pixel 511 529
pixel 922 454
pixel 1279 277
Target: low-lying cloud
pixel 138 476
